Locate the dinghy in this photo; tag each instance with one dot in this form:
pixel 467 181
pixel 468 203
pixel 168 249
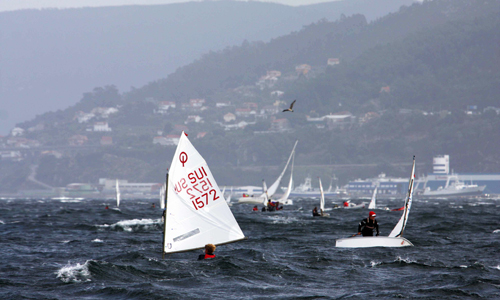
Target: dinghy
pixel 322 201
pixel 118 195
pixel 268 193
pixel 395 238
pixel 162 195
pixel 284 199
pixel 196 212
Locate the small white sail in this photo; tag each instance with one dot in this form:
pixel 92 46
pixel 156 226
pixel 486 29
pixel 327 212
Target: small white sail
pixel 196 212
pixel 373 202
pixel 322 198
pixel 228 200
pixel 162 196
pixel 274 187
pixel 118 195
pixel 400 227
pixel 284 199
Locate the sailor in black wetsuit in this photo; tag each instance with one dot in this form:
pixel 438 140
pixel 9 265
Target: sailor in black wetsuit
pixel 366 226
pixel 315 212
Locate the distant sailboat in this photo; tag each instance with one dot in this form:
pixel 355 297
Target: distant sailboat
pixel 284 199
pixel 395 238
pixel 196 212
pixel 268 193
pixel 373 202
pixel 322 201
pixel 118 195
pixel 162 196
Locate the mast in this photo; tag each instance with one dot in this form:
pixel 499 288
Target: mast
pixel 165 216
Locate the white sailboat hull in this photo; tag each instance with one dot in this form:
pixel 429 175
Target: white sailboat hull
pixel 252 200
pixel 372 241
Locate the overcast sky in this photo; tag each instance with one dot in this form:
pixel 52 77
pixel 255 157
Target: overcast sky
pixel 6 5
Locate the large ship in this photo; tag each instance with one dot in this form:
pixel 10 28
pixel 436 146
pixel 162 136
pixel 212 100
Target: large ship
pixel 453 188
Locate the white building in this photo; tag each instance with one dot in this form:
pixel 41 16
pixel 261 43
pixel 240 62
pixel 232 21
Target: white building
pixel 441 164
pixel 101 126
pixel 18 131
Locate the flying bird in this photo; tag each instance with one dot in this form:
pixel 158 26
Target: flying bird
pixel 291 107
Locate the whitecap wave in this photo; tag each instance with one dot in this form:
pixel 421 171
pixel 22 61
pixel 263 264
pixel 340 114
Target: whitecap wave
pixel 283 220
pixel 65 241
pixel 496 231
pixel 375 263
pixel 74 273
pixel 497 267
pixel 2 222
pixel 406 260
pixel 97 241
pixel 131 225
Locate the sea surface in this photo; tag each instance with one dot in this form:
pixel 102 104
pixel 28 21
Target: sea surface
pixel 78 249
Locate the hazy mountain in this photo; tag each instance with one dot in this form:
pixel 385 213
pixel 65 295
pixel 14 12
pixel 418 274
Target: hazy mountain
pixel 48 58
pixel 435 56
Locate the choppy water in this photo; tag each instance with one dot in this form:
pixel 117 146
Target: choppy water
pixel 52 249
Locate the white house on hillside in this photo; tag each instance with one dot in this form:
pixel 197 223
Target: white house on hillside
pixel 101 126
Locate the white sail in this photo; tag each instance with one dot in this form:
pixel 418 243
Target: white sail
pixel 373 202
pixel 274 187
pixel 196 212
pixel 162 196
pixel 118 195
pixel 322 198
pixel 285 196
pixel 400 227
pixel 228 200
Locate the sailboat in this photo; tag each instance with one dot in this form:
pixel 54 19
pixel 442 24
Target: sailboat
pixel 373 202
pixel 284 199
pixel 118 195
pixel 196 212
pixel 268 193
pixel 395 238
pixel 162 196
pixel 322 201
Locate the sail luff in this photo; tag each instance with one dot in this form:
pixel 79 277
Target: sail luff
pixel 290 183
pixel 165 215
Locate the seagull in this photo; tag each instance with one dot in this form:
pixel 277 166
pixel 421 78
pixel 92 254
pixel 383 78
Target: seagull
pixel 291 107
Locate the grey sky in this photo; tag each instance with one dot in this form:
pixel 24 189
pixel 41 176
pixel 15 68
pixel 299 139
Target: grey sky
pixel 8 5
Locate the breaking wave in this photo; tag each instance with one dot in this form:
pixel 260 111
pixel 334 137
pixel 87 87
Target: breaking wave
pixel 74 273
pixel 133 225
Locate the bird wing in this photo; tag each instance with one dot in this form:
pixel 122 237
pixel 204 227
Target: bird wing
pixel 291 105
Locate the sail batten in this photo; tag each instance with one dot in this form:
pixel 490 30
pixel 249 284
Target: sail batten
pixel 197 213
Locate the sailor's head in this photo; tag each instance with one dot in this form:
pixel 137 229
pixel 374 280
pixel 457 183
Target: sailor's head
pixel 209 249
pixel 372 215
